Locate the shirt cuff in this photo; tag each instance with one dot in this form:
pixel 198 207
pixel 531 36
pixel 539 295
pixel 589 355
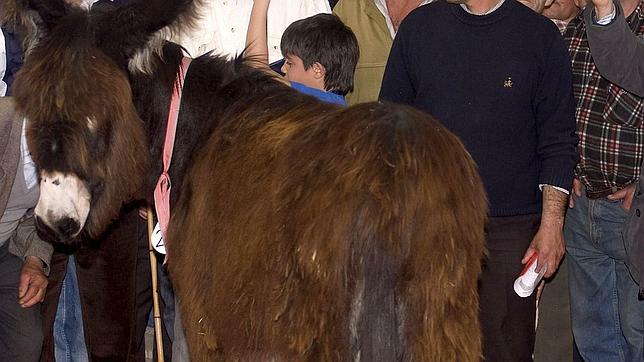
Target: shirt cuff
pixel 606 19
pixel 554 187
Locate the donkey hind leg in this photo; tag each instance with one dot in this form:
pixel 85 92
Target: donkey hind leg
pixel 377 311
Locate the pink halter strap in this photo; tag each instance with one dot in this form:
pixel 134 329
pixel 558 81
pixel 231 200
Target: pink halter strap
pixel 163 187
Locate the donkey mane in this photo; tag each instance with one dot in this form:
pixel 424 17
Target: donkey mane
pixel 215 88
pixel 24 22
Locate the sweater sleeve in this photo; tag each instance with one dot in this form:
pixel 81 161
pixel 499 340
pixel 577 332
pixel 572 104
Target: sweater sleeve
pixel 617 52
pixel 397 85
pixel 555 118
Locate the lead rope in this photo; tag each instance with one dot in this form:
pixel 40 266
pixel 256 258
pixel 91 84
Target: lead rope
pixel 163 186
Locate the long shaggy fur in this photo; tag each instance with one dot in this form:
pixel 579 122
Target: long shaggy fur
pixel 16 18
pixel 300 230
pixel 284 218
pixel 297 206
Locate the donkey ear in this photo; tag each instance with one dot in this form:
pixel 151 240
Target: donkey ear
pixel 127 29
pixel 50 11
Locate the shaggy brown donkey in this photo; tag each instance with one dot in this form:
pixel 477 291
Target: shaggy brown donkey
pixel 300 231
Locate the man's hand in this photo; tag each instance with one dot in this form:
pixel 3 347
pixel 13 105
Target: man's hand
pixel 576 191
pixel 33 283
pixel 626 195
pixel 549 243
pixel 549 240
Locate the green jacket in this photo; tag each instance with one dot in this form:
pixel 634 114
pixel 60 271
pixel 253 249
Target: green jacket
pixel 374 39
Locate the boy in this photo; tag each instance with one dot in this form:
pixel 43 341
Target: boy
pixel 320 53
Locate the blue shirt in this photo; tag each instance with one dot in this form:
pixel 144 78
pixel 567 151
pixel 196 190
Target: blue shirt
pixel 324 96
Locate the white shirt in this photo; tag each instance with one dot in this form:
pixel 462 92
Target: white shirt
pixel 29 167
pixel 87 4
pixel 382 6
pixel 224 25
pixel 607 19
pixel 3 65
pixel 498 5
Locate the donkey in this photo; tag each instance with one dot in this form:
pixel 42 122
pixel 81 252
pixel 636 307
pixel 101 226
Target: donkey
pixel 299 230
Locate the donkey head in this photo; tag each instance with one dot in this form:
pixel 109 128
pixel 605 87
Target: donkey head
pixel 83 130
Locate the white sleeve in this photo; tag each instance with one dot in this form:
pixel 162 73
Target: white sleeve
pixel 3 65
pixel 322 6
pixel 607 19
pixel 281 13
pixel 541 186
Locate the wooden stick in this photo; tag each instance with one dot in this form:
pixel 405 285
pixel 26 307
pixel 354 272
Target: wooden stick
pixel 155 289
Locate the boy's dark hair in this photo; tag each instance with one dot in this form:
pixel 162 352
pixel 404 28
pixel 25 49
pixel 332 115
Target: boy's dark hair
pixel 324 38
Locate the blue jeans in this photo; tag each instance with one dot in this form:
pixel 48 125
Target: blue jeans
pixel 69 338
pixel 167 295
pixel 172 317
pixel 607 317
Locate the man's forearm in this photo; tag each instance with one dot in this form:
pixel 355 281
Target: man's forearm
pixel 554 207
pixel 549 241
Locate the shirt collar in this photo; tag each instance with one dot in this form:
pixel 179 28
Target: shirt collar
pixel 382 6
pixel 487 12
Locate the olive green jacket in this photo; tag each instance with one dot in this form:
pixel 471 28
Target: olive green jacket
pixel 374 39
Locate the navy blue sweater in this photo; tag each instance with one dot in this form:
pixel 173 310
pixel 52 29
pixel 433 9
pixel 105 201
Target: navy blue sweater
pixel 14 58
pixel 501 82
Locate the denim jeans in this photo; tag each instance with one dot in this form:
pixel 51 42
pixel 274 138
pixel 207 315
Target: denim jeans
pixel 607 317
pixel 68 326
pixel 167 295
pixel 172 315
pixel 179 344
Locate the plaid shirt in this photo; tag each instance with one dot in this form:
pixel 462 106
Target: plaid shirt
pixel 610 121
pixel 561 24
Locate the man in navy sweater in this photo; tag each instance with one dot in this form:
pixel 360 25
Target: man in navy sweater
pixel 498 75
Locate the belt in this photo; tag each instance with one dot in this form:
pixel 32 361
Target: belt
pixel 599 194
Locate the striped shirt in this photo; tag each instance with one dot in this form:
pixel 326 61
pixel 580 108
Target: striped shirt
pixel 610 120
pixel 3 65
pixel 31 176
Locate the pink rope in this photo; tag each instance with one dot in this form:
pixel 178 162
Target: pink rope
pixel 163 187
